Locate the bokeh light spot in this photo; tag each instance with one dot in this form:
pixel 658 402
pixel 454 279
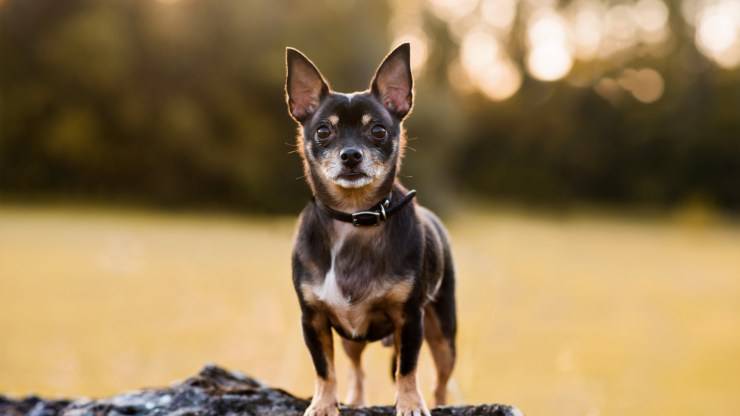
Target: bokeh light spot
pixel 718 33
pixel 646 85
pixel 651 15
pixel 453 9
pixel 549 62
pixel 419 48
pixel 499 13
pixel 478 50
pixel 545 27
pixel 549 57
pixel 486 65
pixel 587 29
pixel 500 81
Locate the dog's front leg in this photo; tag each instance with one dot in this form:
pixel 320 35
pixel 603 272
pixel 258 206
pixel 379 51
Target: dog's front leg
pixel 318 338
pixel 408 337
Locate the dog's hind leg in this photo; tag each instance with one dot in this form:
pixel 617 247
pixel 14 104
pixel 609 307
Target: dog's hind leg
pixel 408 337
pixel 390 342
pixel 394 365
pixel 356 391
pixel 440 327
pixel 442 347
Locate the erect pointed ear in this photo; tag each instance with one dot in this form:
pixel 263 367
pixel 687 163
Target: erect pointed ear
pixel 304 85
pixel 393 84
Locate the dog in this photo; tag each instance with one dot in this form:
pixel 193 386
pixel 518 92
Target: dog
pixel 368 261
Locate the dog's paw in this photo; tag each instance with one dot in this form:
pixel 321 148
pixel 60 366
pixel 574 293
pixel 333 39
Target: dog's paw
pixel 322 408
pixel 411 405
pixel 355 398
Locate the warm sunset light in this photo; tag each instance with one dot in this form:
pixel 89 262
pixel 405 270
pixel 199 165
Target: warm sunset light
pixel 650 15
pixel 420 50
pixel 538 199
pixel 453 9
pixel 553 37
pixel 549 58
pixel 718 33
pixel 500 81
pixel 587 28
pixel 549 62
pixel 499 13
pixel 646 85
pixel 487 65
pixel 621 30
pixel 546 26
pixel 479 50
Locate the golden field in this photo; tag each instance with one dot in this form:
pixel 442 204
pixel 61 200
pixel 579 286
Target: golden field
pixel 581 315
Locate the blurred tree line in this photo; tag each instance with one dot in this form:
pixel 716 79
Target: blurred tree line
pixel 181 103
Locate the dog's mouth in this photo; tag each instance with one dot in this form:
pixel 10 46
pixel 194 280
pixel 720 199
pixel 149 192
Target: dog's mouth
pixel 351 176
pixel 352 179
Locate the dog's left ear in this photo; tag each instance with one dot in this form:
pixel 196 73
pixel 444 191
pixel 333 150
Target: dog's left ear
pixel 393 84
pixel 305 87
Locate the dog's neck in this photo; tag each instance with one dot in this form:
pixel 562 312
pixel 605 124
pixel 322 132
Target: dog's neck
pixel 351 200
pixel 354 200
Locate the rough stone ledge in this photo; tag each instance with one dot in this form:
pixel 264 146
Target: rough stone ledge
pixel 214 391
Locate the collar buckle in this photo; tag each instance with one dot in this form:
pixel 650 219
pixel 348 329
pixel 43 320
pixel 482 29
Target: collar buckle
pixel 364 218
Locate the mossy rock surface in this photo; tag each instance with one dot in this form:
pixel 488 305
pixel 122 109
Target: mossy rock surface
pixel 213 391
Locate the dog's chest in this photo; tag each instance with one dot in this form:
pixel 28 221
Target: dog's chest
pixel 360 287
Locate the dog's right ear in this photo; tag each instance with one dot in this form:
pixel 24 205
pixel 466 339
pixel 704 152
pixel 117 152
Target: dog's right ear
pixel 304 85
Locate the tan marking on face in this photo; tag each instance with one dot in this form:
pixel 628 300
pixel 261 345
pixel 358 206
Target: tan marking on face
pixel 334 119
pixel 366 118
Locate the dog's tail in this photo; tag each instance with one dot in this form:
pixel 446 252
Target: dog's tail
pixel 388 342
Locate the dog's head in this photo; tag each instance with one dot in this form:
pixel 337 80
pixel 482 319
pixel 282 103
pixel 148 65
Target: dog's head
pixel 351 144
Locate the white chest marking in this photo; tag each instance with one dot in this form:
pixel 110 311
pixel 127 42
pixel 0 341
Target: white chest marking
pixel 329 291
pixel 351 317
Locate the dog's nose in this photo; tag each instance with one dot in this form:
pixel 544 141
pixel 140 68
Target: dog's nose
pixel 351 156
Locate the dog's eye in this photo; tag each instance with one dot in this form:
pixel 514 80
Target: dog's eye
pixel 379 132
pixel 323 132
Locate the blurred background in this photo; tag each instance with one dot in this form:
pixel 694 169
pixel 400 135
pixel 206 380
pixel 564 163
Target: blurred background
pixel 585 155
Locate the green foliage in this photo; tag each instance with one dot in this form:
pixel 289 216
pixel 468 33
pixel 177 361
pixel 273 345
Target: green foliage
pixel 182 104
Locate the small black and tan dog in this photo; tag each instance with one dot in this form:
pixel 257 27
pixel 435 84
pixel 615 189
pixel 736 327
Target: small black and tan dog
pixel 367 261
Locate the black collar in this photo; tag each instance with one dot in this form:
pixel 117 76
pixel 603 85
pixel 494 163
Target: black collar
pixel 373 215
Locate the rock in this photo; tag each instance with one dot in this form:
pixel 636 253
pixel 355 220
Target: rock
pixel 214 391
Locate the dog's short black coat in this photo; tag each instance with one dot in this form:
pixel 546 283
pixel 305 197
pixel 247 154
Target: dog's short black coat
pixel 394 281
